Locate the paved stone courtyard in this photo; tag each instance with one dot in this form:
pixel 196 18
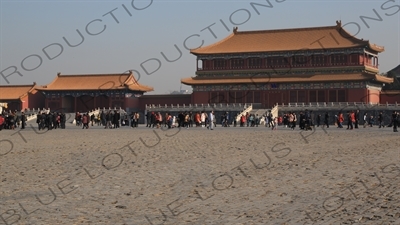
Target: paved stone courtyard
pixel 197 176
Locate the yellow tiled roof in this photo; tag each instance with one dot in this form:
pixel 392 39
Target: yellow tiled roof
pixel 291 79
pixel 13 92
pixel 96 82
pixel 313 38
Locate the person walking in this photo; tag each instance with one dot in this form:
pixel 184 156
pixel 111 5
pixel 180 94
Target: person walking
pixel 326 120
pixel 380 120
pixel 341 120
pixel 23 120
pixel 357 117
pixel 365 120
pixel 318 120
pixel 395 118
pixel 108 120
pixel 211 120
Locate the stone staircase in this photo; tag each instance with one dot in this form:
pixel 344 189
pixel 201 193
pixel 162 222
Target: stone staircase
pixel 246 110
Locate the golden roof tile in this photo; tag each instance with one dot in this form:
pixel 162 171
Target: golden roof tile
pixel 101 82
pixel 14 92
pixel 284 79
pixel 331 37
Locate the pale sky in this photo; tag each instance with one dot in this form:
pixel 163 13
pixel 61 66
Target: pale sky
pixel 32 34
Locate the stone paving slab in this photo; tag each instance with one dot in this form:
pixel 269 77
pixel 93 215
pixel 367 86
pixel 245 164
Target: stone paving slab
pixel 197 176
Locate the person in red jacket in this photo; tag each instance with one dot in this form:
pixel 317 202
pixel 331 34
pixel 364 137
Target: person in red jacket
pixel 1 122
pixel 242 120
pixel 341 120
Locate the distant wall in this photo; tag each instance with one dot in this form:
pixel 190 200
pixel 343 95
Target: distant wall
pixel 390 97
pixel 164 99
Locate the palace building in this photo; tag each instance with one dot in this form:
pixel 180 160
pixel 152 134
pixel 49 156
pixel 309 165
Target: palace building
pixel 19 97
pixel 267 67
pixel 72 93
pixel 303 65
pixel 391 93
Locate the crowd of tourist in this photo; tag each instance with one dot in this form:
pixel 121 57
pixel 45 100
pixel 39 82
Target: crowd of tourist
pixel 109 120
pixel 306 120
pixel 51 120
pixel 13 119
pixel 184 119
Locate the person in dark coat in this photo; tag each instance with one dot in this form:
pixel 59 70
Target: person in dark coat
pixel 38 119
pixel 181 118
pixel 62 120
pixel 116 118
pixel 380 120
pixel 50 121
pixel 357 117
pixel 148 119
pixel 318 120
pixel 55 122
pixel 109 118
pixel 103 118
pixel 23 120
pixel 42 123
pixel 153 119
pixel 326 120
pixel 395 120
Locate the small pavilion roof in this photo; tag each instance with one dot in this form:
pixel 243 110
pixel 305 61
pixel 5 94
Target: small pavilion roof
pixel 286 79
pixel 95 82
pixel 313 38
pixel 14 92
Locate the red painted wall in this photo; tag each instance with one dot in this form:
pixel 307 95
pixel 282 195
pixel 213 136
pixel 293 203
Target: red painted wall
pixel 200 97
pixel 24 102
pixel 36 100
pixel 132 102
pixel 358 95
pixel 390 98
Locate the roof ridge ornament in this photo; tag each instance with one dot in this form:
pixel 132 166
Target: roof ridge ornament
pixel 235 30
pixel 338 23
